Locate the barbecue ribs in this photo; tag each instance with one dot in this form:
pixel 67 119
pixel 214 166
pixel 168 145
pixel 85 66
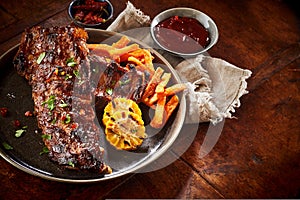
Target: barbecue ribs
pixel 57 65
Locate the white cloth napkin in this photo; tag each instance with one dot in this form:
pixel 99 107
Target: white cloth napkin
pixel 214 85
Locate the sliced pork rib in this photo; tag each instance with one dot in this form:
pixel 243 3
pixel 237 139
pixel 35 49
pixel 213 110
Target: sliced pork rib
pixel 121 81
pixel 56 64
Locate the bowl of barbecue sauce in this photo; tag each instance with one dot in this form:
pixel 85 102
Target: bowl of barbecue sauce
pixel 185 32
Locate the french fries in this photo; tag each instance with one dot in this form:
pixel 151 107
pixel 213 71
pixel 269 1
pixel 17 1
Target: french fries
pixel 164 81
pixel 162 99
pixel 111 51
pixel 171 105
pixel 150 89
pixel 121 43
pixel 159 115
pixel 120 51
pixel 156 95
pixel 174 89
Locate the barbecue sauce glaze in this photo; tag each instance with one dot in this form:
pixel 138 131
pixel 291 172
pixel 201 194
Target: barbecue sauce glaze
pixel 182 34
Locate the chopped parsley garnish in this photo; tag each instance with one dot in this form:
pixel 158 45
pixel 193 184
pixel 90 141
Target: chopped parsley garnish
pixel 53 121
pixel 76 73
pixel 68 119
pixel 71 164
pixel 41 57
pixel 71 62
pixel 62 104
pixel 68 76
pixel 7 146
pixel 125 82
pixel 80 82
pixel 47 137
pixel 109 91
pixel 50 102
pixel 20 131
pixel 44 150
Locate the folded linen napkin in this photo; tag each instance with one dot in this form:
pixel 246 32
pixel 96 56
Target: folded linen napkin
pixel 129 18
pixel 214 85
pixel 214 88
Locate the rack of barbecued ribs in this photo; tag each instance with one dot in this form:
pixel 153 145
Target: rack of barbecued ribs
pixel 57 65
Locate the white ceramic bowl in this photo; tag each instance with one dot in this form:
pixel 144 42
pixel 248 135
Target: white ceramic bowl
pixel 204 19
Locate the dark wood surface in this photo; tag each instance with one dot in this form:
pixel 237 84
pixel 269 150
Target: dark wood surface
pixel 257 154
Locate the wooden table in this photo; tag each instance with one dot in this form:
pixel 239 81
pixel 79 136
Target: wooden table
pixel 257 154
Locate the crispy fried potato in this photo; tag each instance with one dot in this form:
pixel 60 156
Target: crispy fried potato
pixel 152 100
pixel 156 92
pixel 134 60
pixel 150 89
pixel 174 89
pixel 145 56
pixel 170 106
pixel 138 64
pixel 141 57
pixel 121 43
pixel 160 88
pixel 164 110
pixel 100 49
pixel 108 50
pixel 126 49
pixel 159 114
pixel 120 51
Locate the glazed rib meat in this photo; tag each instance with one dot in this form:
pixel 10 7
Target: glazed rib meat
pixel 120 81
pixel 56 63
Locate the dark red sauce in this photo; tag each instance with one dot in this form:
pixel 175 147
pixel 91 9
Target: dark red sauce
pixel 3 111
pixel 182 34
pixel 17 123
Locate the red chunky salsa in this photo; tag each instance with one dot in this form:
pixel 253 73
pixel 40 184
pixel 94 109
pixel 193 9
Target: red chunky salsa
pixel 91 12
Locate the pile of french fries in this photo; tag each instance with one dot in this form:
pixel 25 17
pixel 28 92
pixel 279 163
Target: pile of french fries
pixel 160 98
pixel 157 95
